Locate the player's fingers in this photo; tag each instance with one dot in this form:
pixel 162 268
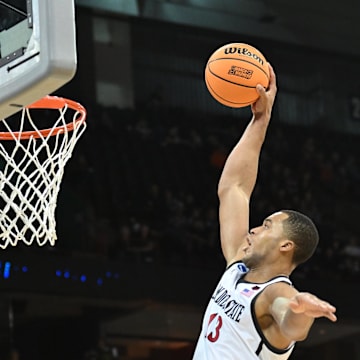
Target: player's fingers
pixel 272 81
pixel 331 316
pixel 329 311
pixel 260 89
pixel 327 306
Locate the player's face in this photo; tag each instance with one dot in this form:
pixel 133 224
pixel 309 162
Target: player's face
pixel 263 241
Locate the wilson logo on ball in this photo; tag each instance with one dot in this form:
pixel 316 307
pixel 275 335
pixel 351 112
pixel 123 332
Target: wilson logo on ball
pixel 244 51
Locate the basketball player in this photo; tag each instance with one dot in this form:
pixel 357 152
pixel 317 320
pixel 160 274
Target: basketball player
pixel 255 312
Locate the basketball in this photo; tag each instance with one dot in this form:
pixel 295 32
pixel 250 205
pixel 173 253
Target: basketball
pixel 232 73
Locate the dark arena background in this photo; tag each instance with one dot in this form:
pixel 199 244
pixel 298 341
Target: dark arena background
pixel 138 253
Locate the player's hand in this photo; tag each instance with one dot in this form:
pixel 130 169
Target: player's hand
pixel 310 305
pixel 264 104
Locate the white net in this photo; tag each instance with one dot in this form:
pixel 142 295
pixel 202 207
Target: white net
pixel 32 162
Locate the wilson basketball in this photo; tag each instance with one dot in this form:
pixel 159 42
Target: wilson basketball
pixel 232 73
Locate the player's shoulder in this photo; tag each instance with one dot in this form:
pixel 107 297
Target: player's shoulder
pixel 237 266
pixel 279 286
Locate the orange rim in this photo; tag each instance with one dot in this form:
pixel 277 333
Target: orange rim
pixel 49 102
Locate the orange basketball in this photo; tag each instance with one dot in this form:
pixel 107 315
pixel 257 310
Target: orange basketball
pixel 232 73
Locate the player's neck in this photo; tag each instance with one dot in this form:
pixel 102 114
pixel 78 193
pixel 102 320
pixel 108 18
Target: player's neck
pixel 261 275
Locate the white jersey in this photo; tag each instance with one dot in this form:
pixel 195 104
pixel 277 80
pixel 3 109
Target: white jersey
pixel 229 329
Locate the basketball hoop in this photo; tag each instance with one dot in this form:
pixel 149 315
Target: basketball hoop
pixel 32 162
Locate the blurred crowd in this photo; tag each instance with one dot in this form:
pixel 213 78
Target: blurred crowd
pixel 141 187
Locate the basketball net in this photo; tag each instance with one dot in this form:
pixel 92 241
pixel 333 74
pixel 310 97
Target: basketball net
pixel 32 162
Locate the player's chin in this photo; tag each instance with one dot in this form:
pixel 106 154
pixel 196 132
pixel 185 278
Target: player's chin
pixel 246 249
pixel 246 257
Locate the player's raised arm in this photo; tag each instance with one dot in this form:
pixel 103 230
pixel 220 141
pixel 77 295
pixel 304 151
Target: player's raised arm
pixel 239 175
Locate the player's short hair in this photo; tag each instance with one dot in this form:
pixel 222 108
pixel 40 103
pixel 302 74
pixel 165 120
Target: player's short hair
pixel 302 231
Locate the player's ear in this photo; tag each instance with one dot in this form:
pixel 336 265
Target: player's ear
pixel 287 245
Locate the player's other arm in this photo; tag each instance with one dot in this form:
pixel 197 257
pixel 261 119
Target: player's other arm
pixel 239 175
pixel 295 314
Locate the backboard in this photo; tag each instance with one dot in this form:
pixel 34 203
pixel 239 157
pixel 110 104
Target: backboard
pixel 37 50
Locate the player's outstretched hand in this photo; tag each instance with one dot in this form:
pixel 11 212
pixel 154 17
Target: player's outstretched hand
pixel 310 305
pixel 264 104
